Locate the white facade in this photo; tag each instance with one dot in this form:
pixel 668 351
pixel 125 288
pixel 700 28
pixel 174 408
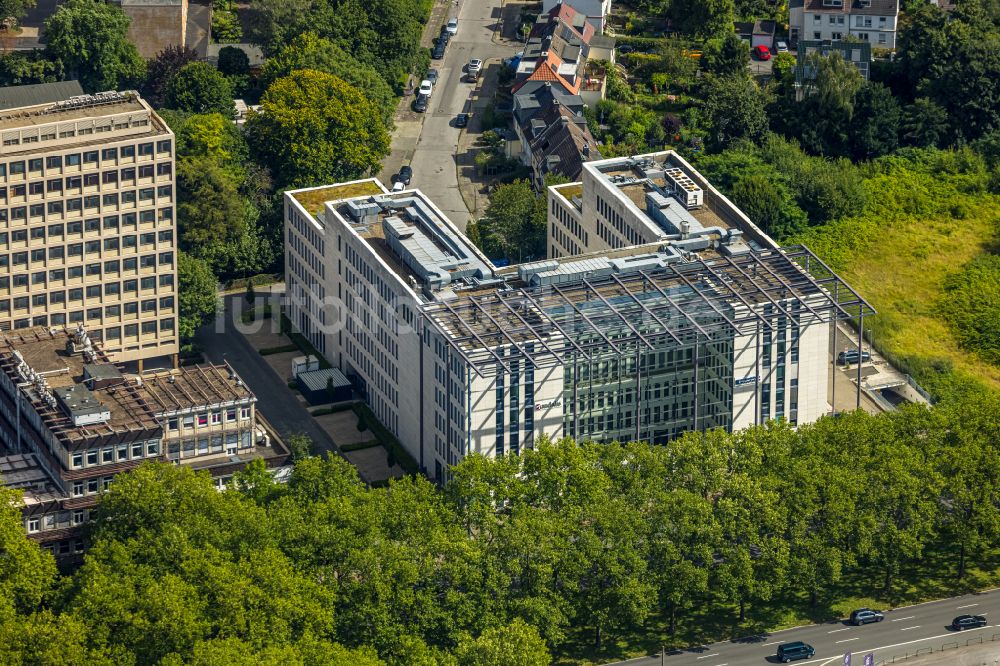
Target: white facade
pixel 827 20
pixel 396 297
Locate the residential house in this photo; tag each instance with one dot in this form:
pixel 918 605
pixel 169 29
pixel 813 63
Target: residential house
pixel 557 142
pixel 595 11
pixel 872 21
pixel 859 53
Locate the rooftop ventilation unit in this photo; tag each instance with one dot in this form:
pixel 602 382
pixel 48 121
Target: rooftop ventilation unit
pixel 684 189
pixel 82 406
pixel 363 212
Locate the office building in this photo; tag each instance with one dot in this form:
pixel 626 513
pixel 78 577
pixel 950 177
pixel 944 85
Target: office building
pixel 71 420
pixel 660 308
pixel 87 232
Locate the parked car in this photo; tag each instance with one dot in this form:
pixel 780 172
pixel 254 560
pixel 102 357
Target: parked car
pixel 473 68
pixel 437 53
pixel 420 104
pixel 963 622
pixel 781 47
pixel 452 26
pixel 461 120
pixel 761 52
pixel 426 88
pixel 852 356
pixel 794 651
pixel 626 48
pixel 432 76
pixel 445 35
pixel 404 175
pixel 398 186
pixel 865 616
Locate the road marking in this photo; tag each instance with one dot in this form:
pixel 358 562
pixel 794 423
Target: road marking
pixel 908 617
pixel 706 656
pixel 836 630
pixel 917 626
pixel 774 643
pixel 848 640
pixel 966 606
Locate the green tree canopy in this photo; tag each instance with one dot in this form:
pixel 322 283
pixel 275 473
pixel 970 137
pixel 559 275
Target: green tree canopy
pixel 734 109
pixel 196 294
pixel 315 128
pixel 703 18
pixel 162 69
pixel 89 38
pixel 512 227
pixel 233 61
pixel 16 9
pixel 876 120
pixel 726 56
pixel 198 87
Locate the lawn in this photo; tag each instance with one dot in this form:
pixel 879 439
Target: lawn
pixel 898 257
pixel 313 200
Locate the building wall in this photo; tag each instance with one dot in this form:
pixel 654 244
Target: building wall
pixel 87 235
pixel 879 31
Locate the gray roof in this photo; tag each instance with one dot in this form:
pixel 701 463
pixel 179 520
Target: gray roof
pixel 317 380
pixel 877 7
pixel 535 95
pixel 12 97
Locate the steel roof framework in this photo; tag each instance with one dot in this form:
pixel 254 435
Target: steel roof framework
pixel 625 313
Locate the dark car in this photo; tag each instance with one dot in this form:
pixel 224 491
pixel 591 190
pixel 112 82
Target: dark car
pixel 461 120
pixel 432 76
pixel 404 175
pixel 438 51
pixel 865 616
pixel 963 622
pixel 420 103
pixel 445 35
pixel 852 356
pixel 794 651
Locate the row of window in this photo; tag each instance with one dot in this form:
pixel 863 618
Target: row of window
pixel 108 268
pixel 80 204
pixel 59 252
pixel 38 165
pixel 56 232
pixel 114 177
pixel 205 419
pixel 190 448
pixel 148 305
pixel 53 521
pixel 110 335
pixel 112 454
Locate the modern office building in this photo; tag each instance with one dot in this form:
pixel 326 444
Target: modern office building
pixel 87 222
pixel 661 308
pixel 70 420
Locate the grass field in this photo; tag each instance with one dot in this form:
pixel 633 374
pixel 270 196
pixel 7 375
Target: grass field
pixel 898 257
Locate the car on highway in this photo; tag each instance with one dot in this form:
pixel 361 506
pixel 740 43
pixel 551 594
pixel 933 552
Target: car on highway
pixel 461 120
pixel 781 47
pixel 426 88
pixel 761 52
pixel 420 103
pixel 963 622
pixel 405 174
pixel 452 27
pixel 437 53
pixel 852 356
pixel 865 616
pixel 432 76
pixel 794 651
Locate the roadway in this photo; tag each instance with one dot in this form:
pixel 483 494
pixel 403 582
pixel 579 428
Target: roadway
pixel 429 142
pixel 904 631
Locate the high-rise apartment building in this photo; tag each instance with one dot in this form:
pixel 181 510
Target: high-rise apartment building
pixel 87 232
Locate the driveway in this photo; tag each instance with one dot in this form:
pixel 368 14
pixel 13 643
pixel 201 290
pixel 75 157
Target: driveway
pixel 429 144
pixel 221 341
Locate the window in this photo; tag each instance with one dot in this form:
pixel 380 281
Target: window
pixel 230 415
pixel 137 450
pixel 202 420
pixel 92 457
pixel 93 485
pixel 244 413
pixel 109 154
pixel 189 421
pixel 216 418
pixel 77 488
pixel 122 452
pixel 172 423
pixel 33 524
pixel 79 517
pixel 77 460
pixel 107 455
pixel 152 448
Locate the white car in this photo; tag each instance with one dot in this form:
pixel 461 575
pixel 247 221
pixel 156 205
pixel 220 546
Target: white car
pixel 452 27
pixel 398 186
pixel 781 47
pixel 426 88
pixel 474 66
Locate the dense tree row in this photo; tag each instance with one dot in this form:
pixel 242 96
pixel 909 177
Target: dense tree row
pixel 517 556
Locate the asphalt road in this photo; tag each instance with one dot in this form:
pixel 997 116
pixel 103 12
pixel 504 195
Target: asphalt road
pixel 904 630
pixel 220 341
pixel 433 160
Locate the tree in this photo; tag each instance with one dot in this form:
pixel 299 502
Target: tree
pixel 26 571
pixel 200 88
pixel 824 116
pixel 233 61
pixel 19 68
pixel 510 228
pixel 769 204
pixel 726 56
pixel 308 51
pixel 196 294
pixel 16 9
pixel 315 128
pixel 517 644
pixel 212 136
pixel 162 69
pixel 89 37
pixel 703 18
pixel 210 210
pixel 876 122
pixel 256 483
pixel 925 123
pixel 734 109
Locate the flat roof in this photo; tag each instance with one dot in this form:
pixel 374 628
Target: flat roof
pixel 38 93
pixel 314 199
pixel 316 380
pixel 194 387
pixel 45 114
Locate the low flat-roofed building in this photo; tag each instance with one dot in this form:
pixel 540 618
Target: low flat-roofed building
pixel 671 311
pixel 70 420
